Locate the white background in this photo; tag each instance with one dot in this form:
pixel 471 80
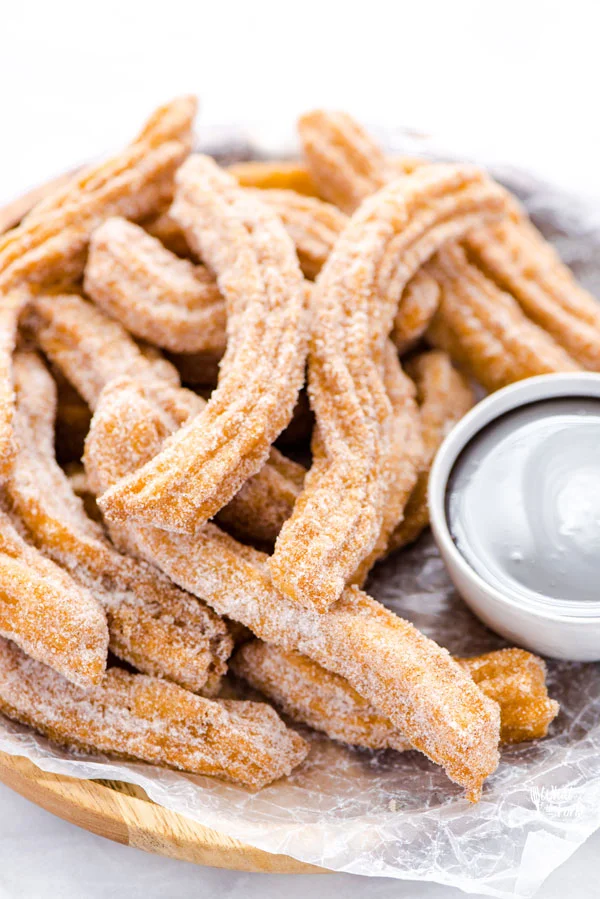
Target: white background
pixel 514 80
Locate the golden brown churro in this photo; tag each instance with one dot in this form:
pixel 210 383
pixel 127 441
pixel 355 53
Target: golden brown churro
pixel 313 225
pixel 516 256
pixel 307 693
pixel 348 165
pixel 444 396
pixel 89 348
pixel 484 329
pixel 345 163
pixel 153 625
pixel 405 457
pixel 46 613
pixel 138 717
pixel 338 516
pixel 154 294
pixel 49 245
pixel 382 656
pixel 207 462
pixel 281 174
pixel 11 306
pixel 418 304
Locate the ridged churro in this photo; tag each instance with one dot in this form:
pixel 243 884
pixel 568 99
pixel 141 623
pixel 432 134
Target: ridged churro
pixel 207 462
pixel 444 396
pixel 382 656
pixel 154 294
pixel 338 516
pixel 418 304
pixel 153 625
pixel 309 694
pixel 405 457
pixel 348 165
pixel 313 225
pixel 49 245
pixel 134 716
pixel 345 163
pixel 12 304
pixel 516 256
pixel 174 303
pixel 485 330
pixel 91 350
pixel 88 347
pixel 46 613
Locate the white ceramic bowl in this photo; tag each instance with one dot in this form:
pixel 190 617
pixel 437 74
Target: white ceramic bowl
pixel 546 627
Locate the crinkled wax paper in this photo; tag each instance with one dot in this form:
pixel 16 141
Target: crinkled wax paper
pixel 386 814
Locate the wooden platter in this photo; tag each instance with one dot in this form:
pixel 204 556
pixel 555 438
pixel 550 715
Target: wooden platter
pixel 119 811
pixel 122 812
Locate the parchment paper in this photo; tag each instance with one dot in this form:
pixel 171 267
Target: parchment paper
pixel 386 814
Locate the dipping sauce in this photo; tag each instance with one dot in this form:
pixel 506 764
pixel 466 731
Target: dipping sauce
pixel 523 501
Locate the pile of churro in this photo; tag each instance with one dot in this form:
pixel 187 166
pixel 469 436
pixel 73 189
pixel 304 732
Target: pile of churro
pixel 221 392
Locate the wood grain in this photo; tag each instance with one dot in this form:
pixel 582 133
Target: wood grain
pixel 112 809
pixel 123 813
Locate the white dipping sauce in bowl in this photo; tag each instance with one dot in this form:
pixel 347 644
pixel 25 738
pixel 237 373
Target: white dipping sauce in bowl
pixel 514 501
pixel 523 500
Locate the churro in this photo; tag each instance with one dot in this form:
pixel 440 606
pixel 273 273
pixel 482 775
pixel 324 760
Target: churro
pixel 313 225
pixel 346 165
pixel 516 256
pixel 405 457
pixel 484 329
pixel 88 347
pixel 205 463
pixel 383 657
pixel 174 303
pixel 418 304
pixel 92 350
pixel 444 396
pixel 154 294
pixel 49 245
pixel 46 613
pixel 134 716
pixel 12 304
pixel 153 625
pixel 279 174
pixel 338 516
pixel 309 694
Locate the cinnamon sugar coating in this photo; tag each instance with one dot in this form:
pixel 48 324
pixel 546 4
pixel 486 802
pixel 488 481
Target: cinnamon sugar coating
pixel 518 259
pixel 88 347
pixel 205 463
pixel 348 165
pixel 418 304
pixel 313 225
pixel 485 330
pixel 92 350
pixel 46 612
pixel 338 516
pixel 163 299
pixel 383 657
pixel 310 694
pixel 154 626
pixel 12 304
pixel 134 716
pixel 444 396
pixel 406 457
pixel 49 245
